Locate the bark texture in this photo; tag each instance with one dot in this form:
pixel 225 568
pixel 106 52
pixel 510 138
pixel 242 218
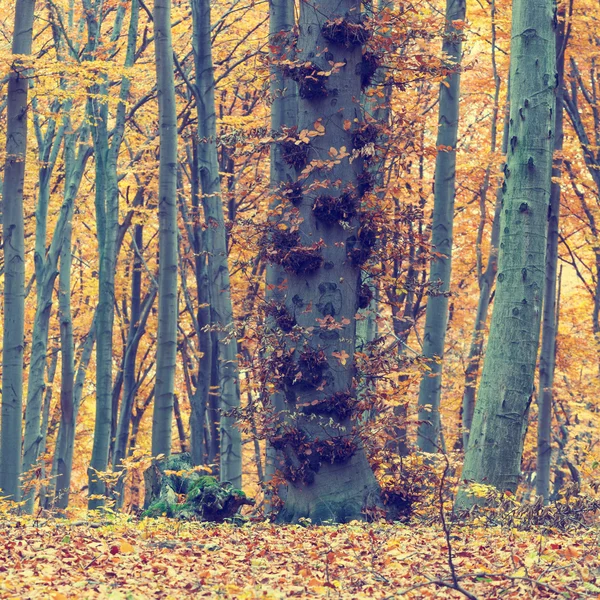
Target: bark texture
pixel 225 358
pixel 436 315
pixel 167 216
pixel 14 254
pixel 495 446
pixel 322 252
pixel 284 113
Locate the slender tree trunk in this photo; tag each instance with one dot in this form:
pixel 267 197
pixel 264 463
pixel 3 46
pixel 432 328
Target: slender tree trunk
pixel 436 316
pixel 487 277
pixel 284 113
pixel 495 448
pixel 199 393
pixel 167 218
pixel 65 441
pixel 14 254
pixel 107 218
pixel 46 268
pixel 66 429
pixel 549 318
pixel 216 244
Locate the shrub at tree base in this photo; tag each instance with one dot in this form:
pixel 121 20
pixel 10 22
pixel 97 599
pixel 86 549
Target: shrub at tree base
pixel 175 489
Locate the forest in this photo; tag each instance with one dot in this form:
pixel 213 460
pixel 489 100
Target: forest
pixel 300 298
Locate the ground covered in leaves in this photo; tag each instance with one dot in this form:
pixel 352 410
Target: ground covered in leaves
pixel 163 558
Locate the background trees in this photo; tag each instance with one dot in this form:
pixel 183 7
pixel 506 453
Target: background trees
pixel 250 167
pixel 493 455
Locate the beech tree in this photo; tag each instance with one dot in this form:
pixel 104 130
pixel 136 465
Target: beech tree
pixel 14 253
pixel 436 315
pixel 549 316
pixel 225 359
pixel 168 231
pixel 284 113
pixel 493 456
pixel 321 246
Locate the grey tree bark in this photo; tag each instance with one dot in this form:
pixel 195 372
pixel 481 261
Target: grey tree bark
pixel 284 113
pixel 106 152
pixel 549 318
pixel 216 245
pixel 327 241
pixel 14 254
pixel 166 352
pixel 436 315
pixel 495 448
pixel 199 390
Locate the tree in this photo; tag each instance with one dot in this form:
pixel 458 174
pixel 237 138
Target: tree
pixel 323 242
pixel 493 456
pixel 284 113
pixel 549 317
pixel 225 358
pixel 486 277
pixel 106 153
pixel 14 252
pixel 168 231
pixel 436 316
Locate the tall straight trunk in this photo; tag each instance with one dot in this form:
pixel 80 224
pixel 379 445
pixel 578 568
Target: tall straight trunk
pixel 486 277
pixel 325 463
pixel 107 217
pixel 166 350
pixel 549 318
pixel 436 316
pixel 136 328
pixel 216 246
pixel 199 389
pixel 284 113
pixel 495 448
pixel 14 254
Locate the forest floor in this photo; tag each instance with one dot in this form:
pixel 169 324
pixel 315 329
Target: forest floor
pixel 164 558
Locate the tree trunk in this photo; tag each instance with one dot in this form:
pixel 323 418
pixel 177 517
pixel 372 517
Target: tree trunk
pixel 14 254
pixel 436 316
pixel 322 252
pixel 487 277
pixel 495 448
pixel 549 320
pixel 216 244
pixel 166 352
pixel 70 399
pixel 107 222
pixel 284 113
pixel 199 393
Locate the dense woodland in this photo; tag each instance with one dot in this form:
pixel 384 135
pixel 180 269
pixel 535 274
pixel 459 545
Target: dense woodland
pixel 324 262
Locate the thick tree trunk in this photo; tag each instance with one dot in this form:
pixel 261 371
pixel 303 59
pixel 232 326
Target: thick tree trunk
pixel 436 316
pixel 216 245
pixel 322 252
pixel 284 113
pixel 495 448
pixel 549 321
pixel 166 352
pixel 14 255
